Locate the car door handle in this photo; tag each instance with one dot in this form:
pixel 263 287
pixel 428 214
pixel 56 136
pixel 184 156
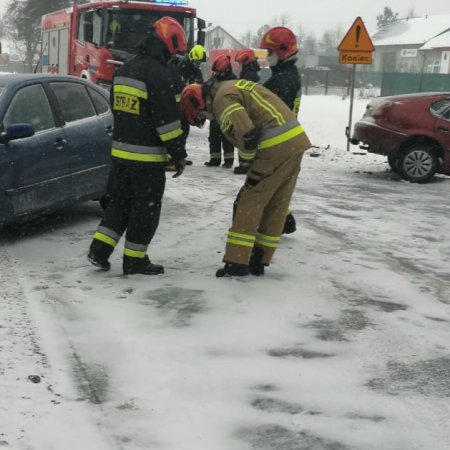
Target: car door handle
pixel 443 130
pixel 109 129
pixel 60 143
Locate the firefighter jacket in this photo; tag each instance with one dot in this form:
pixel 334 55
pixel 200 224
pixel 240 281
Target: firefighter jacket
pixel 250 72
pixel 253 118
pixel 146 116
pixel 189 71
pixel 286 83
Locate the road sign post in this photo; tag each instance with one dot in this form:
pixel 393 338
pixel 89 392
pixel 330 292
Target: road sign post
pixel 355 48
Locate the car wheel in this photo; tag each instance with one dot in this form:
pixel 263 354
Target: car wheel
pixel 418 163
pixel 393 161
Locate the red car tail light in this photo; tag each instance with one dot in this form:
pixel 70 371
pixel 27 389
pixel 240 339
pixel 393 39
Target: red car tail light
pixel 381 109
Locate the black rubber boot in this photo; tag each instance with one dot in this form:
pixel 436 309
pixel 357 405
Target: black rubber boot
pixel 233 270
pixel 213 163
pixel 289 224
pixel 101 263
pixel 228 164
pixel 143 266
pixel 256 267
pixel 240 170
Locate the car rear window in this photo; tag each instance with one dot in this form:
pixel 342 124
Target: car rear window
pixel 74 100
pixel 441 108
pixel 101 104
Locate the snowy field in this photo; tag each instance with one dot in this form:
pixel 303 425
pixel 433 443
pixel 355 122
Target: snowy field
pixel 343 344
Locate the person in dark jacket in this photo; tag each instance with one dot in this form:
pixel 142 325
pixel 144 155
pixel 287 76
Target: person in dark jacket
pixel 222 70
pixel 282 47
pixel 146 128
pixel 190 65
pixel 249 71
pixel 249 65
pixel 178 85
pixel 186 70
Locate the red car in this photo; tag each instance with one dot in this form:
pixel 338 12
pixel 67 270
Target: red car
pixel 412 130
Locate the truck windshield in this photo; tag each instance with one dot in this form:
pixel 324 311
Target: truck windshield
pixel 124 28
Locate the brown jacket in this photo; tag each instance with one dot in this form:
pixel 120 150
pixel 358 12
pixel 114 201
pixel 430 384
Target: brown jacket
pixel 253 118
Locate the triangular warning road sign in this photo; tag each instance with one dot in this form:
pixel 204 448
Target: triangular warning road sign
pixel 357 39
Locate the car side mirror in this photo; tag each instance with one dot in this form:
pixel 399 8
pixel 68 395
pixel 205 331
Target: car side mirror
pixel 201 23
pixel 201 34
pixel 18 131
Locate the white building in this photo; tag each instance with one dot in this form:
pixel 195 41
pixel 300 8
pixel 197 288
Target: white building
pixel 413 45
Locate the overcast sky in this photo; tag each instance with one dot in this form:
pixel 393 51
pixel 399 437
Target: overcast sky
pixel 238 16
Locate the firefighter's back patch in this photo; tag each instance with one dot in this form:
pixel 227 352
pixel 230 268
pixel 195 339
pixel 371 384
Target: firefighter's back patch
pixel 127 103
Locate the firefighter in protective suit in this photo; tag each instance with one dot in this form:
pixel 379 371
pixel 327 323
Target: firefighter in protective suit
pixel 282 47
pixel 190 65
pixel 222 71
pixel 271 139
pixel 146 129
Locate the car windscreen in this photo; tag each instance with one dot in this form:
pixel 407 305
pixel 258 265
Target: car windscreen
pixel 125 28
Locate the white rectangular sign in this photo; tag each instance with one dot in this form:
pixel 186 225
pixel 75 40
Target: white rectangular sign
pixel 408 53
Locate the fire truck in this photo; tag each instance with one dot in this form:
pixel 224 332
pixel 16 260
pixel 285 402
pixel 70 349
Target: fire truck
pixel 91 40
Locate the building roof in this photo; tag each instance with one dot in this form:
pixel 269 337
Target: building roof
pixel 414 31
pixel 439 42
pixel 223 38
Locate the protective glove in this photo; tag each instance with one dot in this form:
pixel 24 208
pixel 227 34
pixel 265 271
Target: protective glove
pixel 180 164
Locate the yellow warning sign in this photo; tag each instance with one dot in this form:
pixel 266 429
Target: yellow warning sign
pixel 357 39
pixel 355 58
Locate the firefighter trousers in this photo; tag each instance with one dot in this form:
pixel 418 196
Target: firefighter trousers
pixel 135 190
pixel 217 141
pixel 262 203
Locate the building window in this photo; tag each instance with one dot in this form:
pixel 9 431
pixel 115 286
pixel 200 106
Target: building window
pixel 433 66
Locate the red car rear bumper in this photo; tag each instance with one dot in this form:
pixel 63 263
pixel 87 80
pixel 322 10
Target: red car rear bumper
pixel 375 138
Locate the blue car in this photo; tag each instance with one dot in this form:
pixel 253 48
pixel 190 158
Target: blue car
pixel 55 143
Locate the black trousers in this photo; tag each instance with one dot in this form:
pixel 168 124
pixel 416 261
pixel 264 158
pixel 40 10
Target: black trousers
pixel 185 127
pixel 135 190
pixel 216 141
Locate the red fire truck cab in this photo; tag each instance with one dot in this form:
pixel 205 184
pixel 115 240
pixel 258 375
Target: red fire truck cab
pixel 90 40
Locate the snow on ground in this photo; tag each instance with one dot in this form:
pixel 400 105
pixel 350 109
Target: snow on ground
pixel 343 344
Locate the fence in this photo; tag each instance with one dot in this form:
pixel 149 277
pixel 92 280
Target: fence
pixel 337 82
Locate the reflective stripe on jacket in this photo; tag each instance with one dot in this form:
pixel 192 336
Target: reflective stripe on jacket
pixel 146 114
pixel 244 106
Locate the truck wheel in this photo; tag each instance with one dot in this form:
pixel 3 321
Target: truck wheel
pixel 418 162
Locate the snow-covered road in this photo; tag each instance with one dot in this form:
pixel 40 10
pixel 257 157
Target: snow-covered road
pixel 343 344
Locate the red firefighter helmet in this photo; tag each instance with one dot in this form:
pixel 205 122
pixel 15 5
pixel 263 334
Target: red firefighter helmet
pixel 172 34
pixel 221 64
pixel 281 40
pixel 193 102
pixel 245 56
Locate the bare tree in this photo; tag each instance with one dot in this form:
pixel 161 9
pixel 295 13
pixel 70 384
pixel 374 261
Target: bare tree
pixel 330 40
pixel 247 38
pixel 284 20
pixel 310 45
pixel 22 23
pixel 259 34
pixel 411 14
